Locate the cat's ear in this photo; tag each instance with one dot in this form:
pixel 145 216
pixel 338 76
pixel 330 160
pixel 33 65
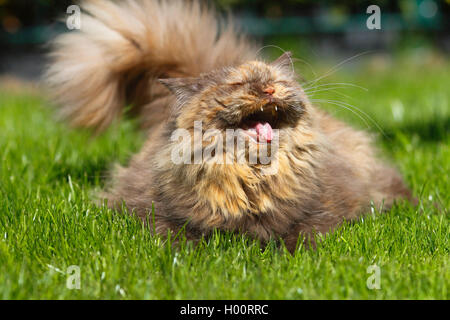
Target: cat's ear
pixel 284 62
pixel 183 88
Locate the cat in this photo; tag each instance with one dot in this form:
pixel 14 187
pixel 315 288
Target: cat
pixel 177 64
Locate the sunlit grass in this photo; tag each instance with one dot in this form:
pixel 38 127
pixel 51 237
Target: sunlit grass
pixel 48 222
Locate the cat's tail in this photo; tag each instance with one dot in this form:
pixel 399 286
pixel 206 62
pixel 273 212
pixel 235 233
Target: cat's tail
pixel 122 48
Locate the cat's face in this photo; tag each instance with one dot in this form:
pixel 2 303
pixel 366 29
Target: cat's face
pixel 256 97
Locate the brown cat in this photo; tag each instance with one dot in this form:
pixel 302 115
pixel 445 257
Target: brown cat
pixel 324 172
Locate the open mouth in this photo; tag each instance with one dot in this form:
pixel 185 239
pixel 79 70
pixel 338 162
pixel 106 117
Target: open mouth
pixel 261 123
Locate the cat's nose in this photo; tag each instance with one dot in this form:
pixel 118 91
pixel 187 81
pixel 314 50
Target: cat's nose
pixel 269 90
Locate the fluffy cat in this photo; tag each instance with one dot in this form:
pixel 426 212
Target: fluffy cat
pixel 175 65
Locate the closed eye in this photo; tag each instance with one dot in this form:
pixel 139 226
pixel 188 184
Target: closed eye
pixel 222 104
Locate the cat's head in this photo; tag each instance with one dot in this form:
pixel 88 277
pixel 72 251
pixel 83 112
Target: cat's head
pixel 256 97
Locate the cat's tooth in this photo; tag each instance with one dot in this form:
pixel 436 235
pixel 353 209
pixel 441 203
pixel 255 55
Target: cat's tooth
pixel 262 109
pixel 276 108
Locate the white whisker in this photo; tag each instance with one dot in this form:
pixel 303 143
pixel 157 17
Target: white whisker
pixel 332 90
pixel 344 84
pixel 337 67
pixel 352 108
pixel 343 106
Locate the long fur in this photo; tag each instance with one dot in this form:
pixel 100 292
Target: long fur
pixel 123 47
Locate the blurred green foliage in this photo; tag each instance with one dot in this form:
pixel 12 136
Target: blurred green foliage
pixel 22 21
pixel 31 12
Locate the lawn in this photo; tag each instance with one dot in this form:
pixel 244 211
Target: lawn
pixel 48 174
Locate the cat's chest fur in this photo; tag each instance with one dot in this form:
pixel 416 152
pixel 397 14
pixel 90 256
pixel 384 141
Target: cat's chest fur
pixel 235 196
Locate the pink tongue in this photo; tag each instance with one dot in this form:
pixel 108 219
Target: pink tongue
pixel 264 131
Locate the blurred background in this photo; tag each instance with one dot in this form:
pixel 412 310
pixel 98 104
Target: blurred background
pixel 314 30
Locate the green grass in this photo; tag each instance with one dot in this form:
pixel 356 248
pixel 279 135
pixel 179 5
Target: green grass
pixel 48 174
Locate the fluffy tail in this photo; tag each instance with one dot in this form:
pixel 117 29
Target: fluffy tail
pixel 123 47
